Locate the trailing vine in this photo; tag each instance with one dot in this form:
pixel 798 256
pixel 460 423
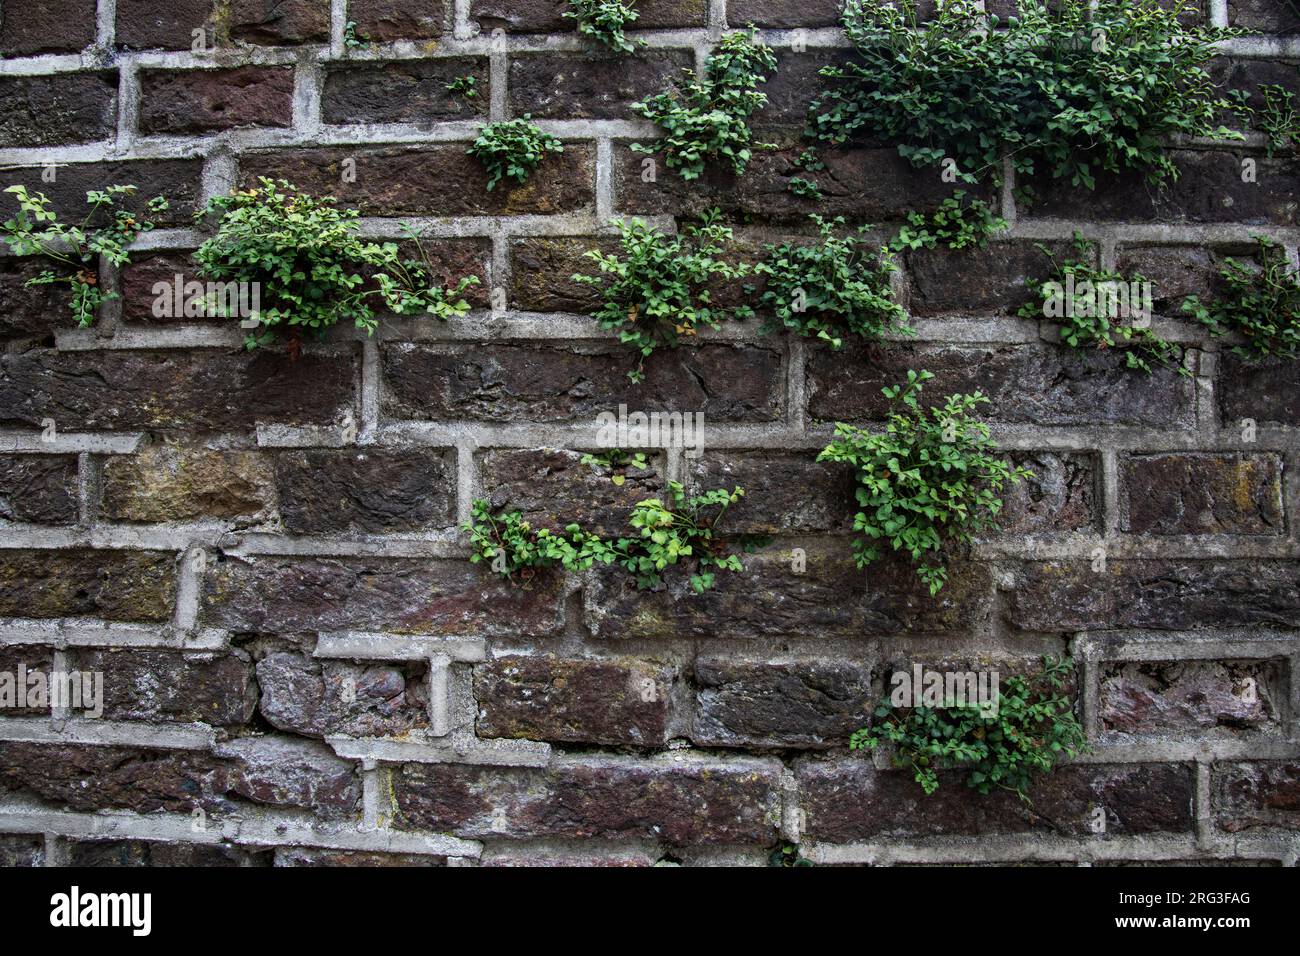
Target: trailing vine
pixel 1260 302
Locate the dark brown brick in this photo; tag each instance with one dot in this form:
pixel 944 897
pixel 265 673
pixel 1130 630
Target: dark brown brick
pixel 35 311
pixel 1161 696
pixel 278 22
pixel 579 86
pixel 385 20
pixel 57 110
pixel 38 488
pixel 140 303
pixel 1174 272
pixel 572 383
pixel 975 282
pixel 178 180
pixel 1260 793
pixel 1163 595
pixel 790 89
pixel 542 269
pixel 681 802
pixel 176 102
pixel 147 24
pixel 46 26
pixel 434 181
pixel 317 698
pixel 406 91
pixel 1060 495
pixel 784 491
pixel 144 853
pixel 113 585
pixel 170 686
pixel 197 390
pixel 546 16
pixel 1202 494
pixel 374 490
pixel 18 664
pixel 164 482
pixel 404 595
pixel 619 701
pixel 1028 384
pixel 1263 391
pixel 785 13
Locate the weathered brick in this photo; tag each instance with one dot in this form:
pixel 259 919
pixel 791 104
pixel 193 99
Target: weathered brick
pixel 38 488
pixel 437 180
pixel 849 800
pixel 113 585
pixel 505 854
pixel 164 685
pixel 57 110
pixel 1259 793
pixel 784 491
pixel 779 703
pixel 146 24
pixel 305 856
pixel 1231 493
pixel 680 802
pixel 573 383
pixel 545 16
pixel 553 488
pixel 975 282
pixel 780 14
pixel 1061 495
pixel 1152 697
pixel 831 597
pixel 405 91
pixel 21 849
pixel 1027 384
pixel 1263 391
pixel 790 89
pixel 139 277
pixel 46 26
pixel 178 180
pixel 620 701
pixel 1163 595
pixel 865 184
pixel 1174 272
pixel 579 86
pixel 542 269
pixel 145 853
pixel 373 490
pixel 164 482
pixel 27 312
pixel 18 664
pixel 1264 16
pixel 269 594
pixel 196 390
pixel 177 102
pixel 386 20
pixel 318 698
pixel 278 22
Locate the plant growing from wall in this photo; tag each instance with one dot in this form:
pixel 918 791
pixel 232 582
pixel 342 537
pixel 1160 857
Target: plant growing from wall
pixel 831 289
pixel 605 22
pixel 657 292
pixel 1093 305
pixel 512 149
pixel 1258 301
pixel 1068 89
pixel 466 86
pixel 1030 730
pixel 682 530
pixel 960 222
pixel 928 480
pixel 311 268
pixel 617 462
pixel 706 119
pixel 74 250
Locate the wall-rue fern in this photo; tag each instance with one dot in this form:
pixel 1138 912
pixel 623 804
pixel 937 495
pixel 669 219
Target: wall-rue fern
pixel 657 292
pixel 680 531
pixel 1068 89
pixel 706 118
pixel 1258 301
pixel 605 22
pixel 312 269
pixel 1030 730
pixel 512 149
pixel 74 250
pixel 930 479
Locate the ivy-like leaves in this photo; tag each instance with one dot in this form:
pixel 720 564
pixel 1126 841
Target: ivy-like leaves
pixel 1259 301
pixel 512 149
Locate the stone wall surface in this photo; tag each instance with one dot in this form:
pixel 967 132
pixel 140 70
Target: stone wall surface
pixel 261 554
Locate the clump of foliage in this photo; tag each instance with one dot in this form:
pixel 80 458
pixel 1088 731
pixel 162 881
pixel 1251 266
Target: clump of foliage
pixel 512 149
pixel 351 39
pixel 787 854
pixel 706 119
pixel 929 479
pixel 605 22
pixel 657 291
pixel 682 530
pixel 1031 729
pixel 1069 89
pixel 466 86
pixel 75 249
pixel 1091 303
pixel 832 288
pixel 960 222
pixel 1278 120
pixel 312 269
pixel 618 461
pixel 1259 301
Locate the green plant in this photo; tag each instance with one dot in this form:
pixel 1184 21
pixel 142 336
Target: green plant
pixel 930 478
pixel 958 223
pixel 832 288
pixel 657 292
pixel 311 268
pixel 804 188
pixel 512 148
pixel 1088 301
pixel 1259 301
pixel 605 21
pixel 706 119
pixel 618 461
pixel 1279 121
pixel 681 531
pixel 787 854
pixel 1032 728
pixel 1069 88
pixel 105 231
pixel 351 39
pixel 466 86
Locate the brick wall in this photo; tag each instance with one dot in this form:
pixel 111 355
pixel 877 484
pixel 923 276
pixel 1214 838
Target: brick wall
pixel 261 555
